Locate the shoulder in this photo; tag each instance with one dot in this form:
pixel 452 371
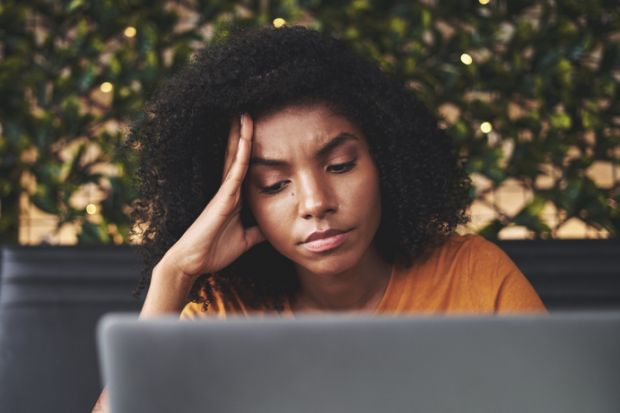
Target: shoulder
pixel 489 273
pixel 220 305
pixel 467 262
pixel 479 261
pixel 472 243
pixel 194 310
pixel 474 252
pixel 467 252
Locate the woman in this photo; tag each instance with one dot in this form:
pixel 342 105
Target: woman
pixel 334 190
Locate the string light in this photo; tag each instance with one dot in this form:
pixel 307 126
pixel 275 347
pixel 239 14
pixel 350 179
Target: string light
pixel 91 209
pixel 278 22
pixel 466 59
pixel 483 2
pixel 106 87
pixel 486 127
pixel 130 31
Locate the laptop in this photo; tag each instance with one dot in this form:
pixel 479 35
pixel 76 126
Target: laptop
pixel 553 363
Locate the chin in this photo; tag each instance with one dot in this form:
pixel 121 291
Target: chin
pixel 331 265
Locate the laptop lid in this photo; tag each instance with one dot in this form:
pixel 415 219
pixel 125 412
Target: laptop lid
pixel 556 363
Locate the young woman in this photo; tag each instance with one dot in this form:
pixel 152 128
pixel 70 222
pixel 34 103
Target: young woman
pixel 283 173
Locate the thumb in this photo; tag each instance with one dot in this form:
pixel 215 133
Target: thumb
pixel 253 236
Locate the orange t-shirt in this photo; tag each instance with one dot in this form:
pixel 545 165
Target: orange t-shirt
pixel 465 275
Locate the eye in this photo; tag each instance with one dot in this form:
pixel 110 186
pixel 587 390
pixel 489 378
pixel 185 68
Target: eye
pixel 342 167
pixel 273 189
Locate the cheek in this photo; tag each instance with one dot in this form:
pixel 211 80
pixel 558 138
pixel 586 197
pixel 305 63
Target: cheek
pixel 363 194
pixel 375 191
pixel 270 217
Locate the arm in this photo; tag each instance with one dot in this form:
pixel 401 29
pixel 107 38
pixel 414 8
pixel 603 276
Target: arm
pixel 213 241
pixel 167 291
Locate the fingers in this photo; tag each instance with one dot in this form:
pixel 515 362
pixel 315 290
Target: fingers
pixel 233 143
pixel 241 161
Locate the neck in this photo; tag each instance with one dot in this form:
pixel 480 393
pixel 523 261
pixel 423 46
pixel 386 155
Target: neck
pixel 359 288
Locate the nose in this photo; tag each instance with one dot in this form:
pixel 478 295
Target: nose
pixel 315 197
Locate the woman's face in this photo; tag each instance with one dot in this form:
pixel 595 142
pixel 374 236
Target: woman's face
pixel 313 188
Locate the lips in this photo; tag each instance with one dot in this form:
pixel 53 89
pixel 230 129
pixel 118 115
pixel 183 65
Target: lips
pixel 325 240
pixel 324 234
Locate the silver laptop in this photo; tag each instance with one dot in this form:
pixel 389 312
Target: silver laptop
pixel 557 363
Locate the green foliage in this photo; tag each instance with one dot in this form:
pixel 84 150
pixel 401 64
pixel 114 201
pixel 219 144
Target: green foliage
pixel 543 73
pixel 59 129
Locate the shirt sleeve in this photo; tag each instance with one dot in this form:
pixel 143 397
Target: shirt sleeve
pixel 192 311
pixel 504 283
pixel 514 294
pixel 195 310
pixel 218 308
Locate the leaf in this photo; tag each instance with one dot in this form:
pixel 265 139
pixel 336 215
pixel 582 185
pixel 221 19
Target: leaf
pixel 536 205
pixel 492 229
pixel 45 199
pixel 91 233
pixel 532 221
pixel 74 5
pixel 561 121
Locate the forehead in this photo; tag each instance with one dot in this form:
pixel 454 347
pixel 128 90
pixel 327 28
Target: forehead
pixel 302 127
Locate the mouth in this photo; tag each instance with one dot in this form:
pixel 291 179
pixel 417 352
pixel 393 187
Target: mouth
pixel 325 240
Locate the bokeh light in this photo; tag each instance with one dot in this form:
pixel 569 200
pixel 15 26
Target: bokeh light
pixel 130 31
pixel 106 87
pixel 466 59
pixel 278 22
pixel 486 127
pixel 91 209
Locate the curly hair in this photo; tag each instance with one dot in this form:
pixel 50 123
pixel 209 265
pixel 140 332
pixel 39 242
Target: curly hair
pixel 182 141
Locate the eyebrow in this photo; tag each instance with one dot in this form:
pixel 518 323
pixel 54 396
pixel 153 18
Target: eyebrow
pixel 338 140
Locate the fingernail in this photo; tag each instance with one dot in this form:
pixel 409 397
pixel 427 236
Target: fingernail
pixel 242 119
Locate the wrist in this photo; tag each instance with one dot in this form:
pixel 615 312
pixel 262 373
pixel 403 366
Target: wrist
pixel 166 271
pixel 168 290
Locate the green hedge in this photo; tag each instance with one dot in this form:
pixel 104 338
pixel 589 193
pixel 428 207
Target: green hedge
pixel 544 74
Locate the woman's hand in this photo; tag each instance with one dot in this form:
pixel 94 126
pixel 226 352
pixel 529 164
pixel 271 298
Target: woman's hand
pixel 213 241
pixel 217 237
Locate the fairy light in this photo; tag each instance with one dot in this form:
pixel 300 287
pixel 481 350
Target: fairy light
pixel 486 127
pixel 278 22
pixel 466 59
pixel 91 209
pixel 130 31
pixel 106 87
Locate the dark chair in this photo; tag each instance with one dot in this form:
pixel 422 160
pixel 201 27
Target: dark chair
pixel 571 274
pixel 50 301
